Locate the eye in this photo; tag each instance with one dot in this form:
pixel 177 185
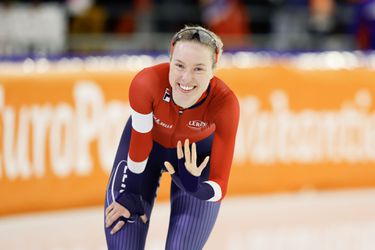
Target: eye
pixel 198 69
pixel 179 65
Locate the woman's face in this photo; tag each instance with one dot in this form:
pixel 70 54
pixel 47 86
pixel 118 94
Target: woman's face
pixel 190 72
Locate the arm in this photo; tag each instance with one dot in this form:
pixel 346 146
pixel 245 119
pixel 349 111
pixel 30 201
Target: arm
pixel 141 99
pixel 128 204
pixel 214 189
pixel 226 120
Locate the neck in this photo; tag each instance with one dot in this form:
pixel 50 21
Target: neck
pixel 205 93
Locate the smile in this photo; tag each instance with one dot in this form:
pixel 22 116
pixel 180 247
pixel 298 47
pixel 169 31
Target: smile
pixel 185 88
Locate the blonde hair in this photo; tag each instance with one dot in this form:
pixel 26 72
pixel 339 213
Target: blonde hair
pixel 203 36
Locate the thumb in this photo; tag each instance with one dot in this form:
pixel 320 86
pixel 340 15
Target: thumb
pixel 169 167
pixel 203 164
pixel 144 218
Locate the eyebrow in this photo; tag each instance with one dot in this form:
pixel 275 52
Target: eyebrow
pixel 198 64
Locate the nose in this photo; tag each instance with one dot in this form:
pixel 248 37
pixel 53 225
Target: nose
pixel 186 77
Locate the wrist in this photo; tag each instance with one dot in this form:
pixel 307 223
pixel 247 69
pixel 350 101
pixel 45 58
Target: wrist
pixel 189 181
pixel 132 202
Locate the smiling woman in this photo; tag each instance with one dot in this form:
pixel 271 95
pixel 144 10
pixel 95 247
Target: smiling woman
pixel 190 72
pixel 194 53
pixel 175 103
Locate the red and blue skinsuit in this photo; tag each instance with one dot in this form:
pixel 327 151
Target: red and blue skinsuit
pixel 150 138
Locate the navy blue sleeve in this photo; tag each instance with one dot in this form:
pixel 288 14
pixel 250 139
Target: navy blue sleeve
pixel 203 191
pixel 189 181
pixel 124 183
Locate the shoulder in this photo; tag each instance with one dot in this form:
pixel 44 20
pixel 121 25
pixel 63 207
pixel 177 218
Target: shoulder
pixel 153 74
pixel 222 95
pixel 151 79
pixel 147 86
pixel 224 107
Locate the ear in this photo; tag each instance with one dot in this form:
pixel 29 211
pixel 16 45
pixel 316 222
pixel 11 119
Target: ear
pixel 212 73
pixel 214 67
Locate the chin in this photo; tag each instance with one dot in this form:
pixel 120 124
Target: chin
pixel 183 102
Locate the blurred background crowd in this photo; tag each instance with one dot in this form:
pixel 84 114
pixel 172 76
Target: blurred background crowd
pixel 305 127
pixel 106 26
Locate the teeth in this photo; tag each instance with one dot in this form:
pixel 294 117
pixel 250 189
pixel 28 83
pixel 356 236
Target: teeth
pixel 186 87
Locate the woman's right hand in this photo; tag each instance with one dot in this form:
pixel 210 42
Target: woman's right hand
pixel 113 212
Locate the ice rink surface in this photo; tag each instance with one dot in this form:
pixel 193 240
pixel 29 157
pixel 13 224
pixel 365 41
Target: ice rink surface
pixel 342 220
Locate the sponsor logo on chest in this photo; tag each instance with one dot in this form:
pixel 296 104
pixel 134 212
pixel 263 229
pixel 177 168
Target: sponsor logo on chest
pixel 167 95
pixel 197 124
pixel 161 123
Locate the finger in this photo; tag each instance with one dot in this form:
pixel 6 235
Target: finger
pixel 187 151
pixel 144 218
pixel 169 167
pixel 112 212
pixel 203 164
pixel 109 208
pixel 180 154
pixel 112 218
pixel 117 227
pixel 194 154
pixel 108 218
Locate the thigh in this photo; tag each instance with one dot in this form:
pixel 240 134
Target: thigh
pixel 133 235
pixel 191 220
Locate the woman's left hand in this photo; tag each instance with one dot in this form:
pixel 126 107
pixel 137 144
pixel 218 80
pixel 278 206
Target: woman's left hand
pixel 190 159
